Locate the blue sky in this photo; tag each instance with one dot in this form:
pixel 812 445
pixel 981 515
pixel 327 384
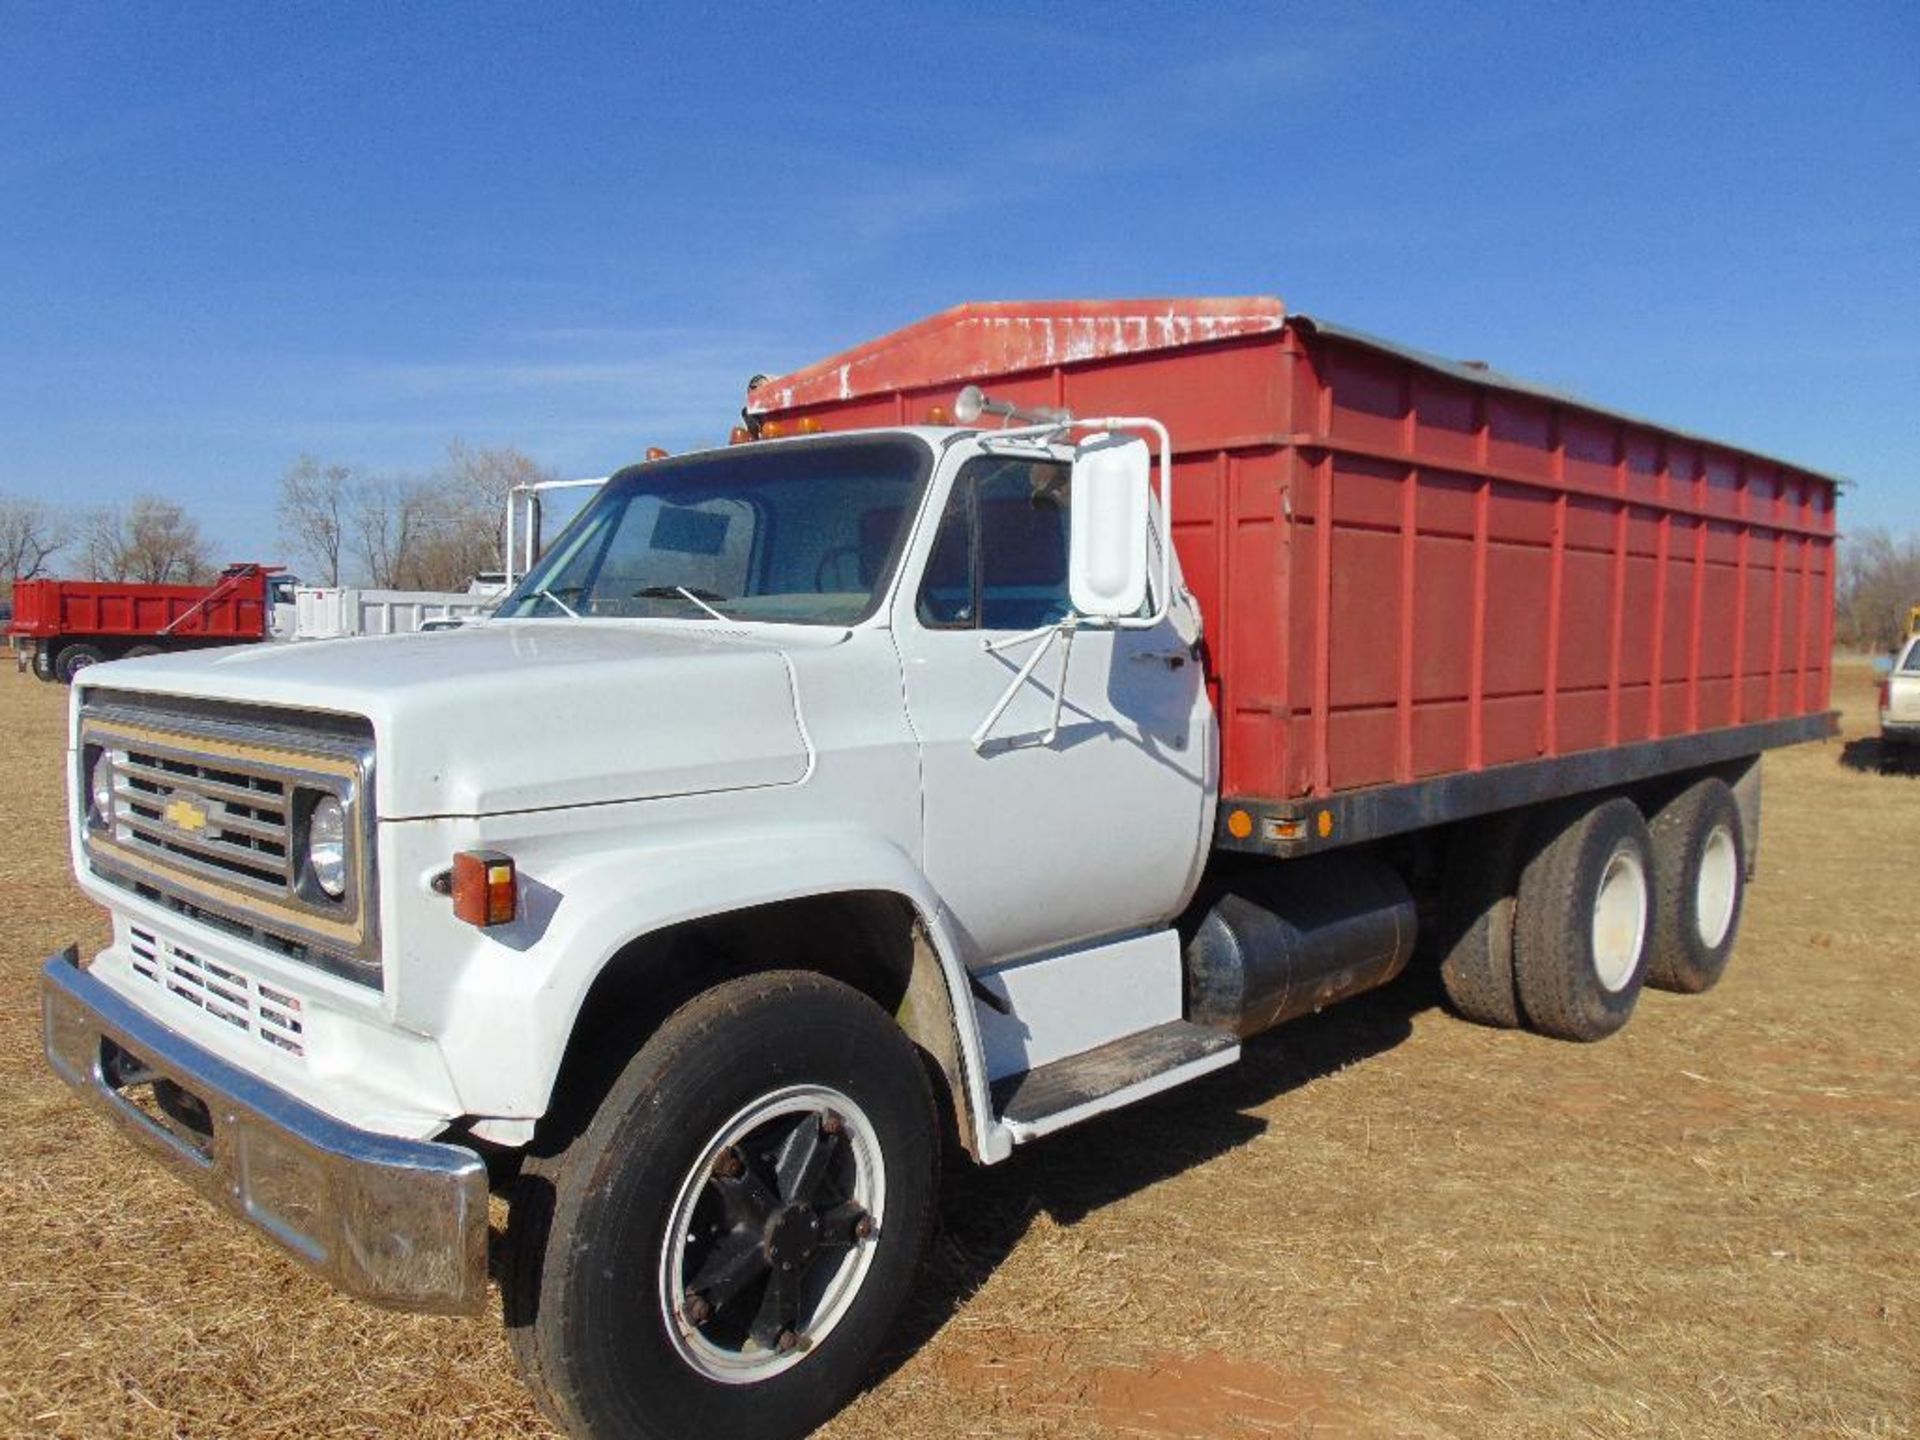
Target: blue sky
pixel 232 234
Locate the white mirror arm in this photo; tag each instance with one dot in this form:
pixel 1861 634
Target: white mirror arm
pixel 1046 635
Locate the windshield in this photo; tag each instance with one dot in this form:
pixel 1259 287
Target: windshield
pixel 803 533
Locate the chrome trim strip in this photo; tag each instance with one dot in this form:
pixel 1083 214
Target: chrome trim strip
pixel 213 789
pixel 243 866
pixel 402 1223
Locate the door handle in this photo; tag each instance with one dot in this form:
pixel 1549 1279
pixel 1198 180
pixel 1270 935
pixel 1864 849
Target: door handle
pixel 1172 659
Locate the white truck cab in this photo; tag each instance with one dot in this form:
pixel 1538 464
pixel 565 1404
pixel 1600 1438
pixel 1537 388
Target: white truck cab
pixel 891 748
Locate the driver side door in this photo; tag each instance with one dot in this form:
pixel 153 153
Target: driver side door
pixel 1038 844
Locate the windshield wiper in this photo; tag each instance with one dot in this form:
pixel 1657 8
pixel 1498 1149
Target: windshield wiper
pixel 696 597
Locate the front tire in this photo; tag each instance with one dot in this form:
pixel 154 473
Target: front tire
pixel 723 1248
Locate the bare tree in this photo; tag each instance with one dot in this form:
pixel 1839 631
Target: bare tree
pixel 474 485
pixel 1878 583
pixel 432 533
pixel 316 513
pixel 31 534
pixel 101 549
pixel 151 542
pixel 390 516
pixel 164 543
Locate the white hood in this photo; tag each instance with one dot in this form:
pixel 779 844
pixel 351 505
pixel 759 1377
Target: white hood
pixel 522 715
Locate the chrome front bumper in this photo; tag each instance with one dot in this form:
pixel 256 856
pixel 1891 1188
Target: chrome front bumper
pixel 402 1223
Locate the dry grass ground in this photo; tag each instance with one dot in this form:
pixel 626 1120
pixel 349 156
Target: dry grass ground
pixel 1385 1222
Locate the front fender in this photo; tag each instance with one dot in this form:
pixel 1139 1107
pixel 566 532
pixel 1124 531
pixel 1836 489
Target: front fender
pixel 504 1026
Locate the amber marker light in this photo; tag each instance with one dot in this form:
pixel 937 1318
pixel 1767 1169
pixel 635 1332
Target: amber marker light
pixel 1239 824
pixel 484 887
pixel 809 426
pixel 738 435
pixel 654 452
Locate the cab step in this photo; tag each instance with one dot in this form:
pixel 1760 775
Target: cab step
pixel 1053 1096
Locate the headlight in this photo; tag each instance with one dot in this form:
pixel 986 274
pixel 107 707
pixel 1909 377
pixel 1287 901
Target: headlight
pixel 327 845
pixel 100 788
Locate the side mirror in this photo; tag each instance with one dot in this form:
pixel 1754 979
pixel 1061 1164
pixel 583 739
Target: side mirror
pixel 1107 527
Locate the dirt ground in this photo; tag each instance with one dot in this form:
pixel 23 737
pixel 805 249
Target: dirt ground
pixel 1384 1222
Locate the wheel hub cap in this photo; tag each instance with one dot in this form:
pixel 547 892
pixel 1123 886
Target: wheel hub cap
pixel 772 1234
pixel 792 1237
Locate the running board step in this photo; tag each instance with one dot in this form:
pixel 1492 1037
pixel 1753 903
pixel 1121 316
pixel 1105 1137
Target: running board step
pixel 1038 1102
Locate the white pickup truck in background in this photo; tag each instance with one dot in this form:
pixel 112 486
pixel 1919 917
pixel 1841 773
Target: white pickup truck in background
pixel 1900 706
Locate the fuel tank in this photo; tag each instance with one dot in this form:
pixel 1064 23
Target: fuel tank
pixel 1274 941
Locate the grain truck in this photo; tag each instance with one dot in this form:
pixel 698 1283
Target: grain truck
pixel 1029 709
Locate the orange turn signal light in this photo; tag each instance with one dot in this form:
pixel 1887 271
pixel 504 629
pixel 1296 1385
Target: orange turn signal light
pixel 654 452
pixel 739 435
pixel 810 425
pixel 485 888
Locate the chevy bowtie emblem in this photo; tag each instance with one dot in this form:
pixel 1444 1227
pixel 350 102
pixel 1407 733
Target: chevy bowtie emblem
pixel 186 812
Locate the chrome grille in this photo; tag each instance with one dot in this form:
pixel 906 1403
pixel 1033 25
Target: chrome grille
pixel 207 812
pixel 226 822
pixel 253 1007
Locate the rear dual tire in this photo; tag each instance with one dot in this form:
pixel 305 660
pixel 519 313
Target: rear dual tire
pixel 1583 923
pixel 1700 874
pixel 1476 968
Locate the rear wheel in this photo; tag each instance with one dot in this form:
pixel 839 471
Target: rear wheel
pixel 725 1245
pixel 74 658
pixel 1700 877
pixel 1582 923
pixel 1477 968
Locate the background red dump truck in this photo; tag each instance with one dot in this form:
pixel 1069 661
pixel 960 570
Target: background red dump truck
pixel 1430 590
pixel 62 626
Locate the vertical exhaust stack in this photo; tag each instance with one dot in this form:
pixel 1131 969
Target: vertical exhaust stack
pixel 1285 941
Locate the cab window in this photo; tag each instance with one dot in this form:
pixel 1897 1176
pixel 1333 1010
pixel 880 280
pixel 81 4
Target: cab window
pixel 999 559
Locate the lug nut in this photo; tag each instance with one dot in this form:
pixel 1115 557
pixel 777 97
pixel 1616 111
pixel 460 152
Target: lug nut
pixel 727 1166
pixel 831 1124
pixel 863 1228
pixel 696 1309
pixel 786 1342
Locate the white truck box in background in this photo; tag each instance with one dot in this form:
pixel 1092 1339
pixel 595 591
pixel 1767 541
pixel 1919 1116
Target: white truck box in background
pixel 329 612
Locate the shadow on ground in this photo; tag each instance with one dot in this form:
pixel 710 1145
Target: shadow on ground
pixel 986 1210
pixel 1873 755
